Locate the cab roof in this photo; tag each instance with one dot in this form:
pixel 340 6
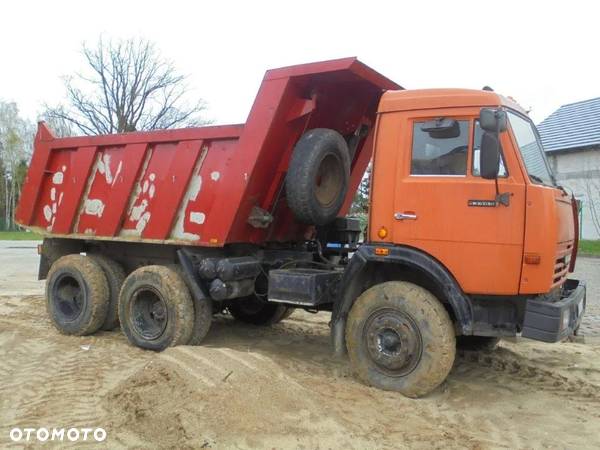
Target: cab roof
pixel 416 99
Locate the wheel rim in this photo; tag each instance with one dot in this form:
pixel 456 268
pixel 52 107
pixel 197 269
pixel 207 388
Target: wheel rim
pixel 329 180
pixel 69 297
pixel 149 313
pixel 393 341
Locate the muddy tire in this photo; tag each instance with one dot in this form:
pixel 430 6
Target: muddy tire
pixel 255 311
pixel 318 175
pixel 77 295
pixel 115 275
pixel 203 316
pixel 477 343
pixel 203 312
pixel 400 338
pixel 156 309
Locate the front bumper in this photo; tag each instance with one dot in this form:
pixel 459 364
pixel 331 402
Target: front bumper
pixel 552 321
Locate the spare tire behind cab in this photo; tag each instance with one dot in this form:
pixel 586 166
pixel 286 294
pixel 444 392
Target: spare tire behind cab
pixel 318 176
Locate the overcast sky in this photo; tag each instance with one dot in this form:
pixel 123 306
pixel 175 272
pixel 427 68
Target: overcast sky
pixel 543 54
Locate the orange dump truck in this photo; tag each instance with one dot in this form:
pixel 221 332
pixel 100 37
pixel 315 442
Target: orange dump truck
pixel 469 237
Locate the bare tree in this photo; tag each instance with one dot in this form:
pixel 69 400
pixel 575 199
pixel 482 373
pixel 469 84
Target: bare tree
pixel 129 86
pixel 16 140
pixel 54 118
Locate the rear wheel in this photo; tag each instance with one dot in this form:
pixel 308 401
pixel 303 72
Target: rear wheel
pixel 203 312
pixel 115 275
pixel 77 295
pixel 203 315
pixel 400 338
pixel 156 310
pixel 256 311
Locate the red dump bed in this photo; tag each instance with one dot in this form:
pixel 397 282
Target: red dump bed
pixel 199 185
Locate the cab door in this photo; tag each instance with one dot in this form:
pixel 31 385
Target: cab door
pixel 443 207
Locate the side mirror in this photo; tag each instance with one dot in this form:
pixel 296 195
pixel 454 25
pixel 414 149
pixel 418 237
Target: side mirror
pixel 493 120
pixel 489 156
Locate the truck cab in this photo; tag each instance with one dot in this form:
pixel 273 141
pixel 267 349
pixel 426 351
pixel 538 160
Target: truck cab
pixel 428 193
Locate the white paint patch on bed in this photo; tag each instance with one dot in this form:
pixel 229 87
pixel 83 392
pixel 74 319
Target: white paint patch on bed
pixel 152 176
pixel 151 190
pixel 60 197
pixel 141 224
pixel 54 208
pixel 197 217
pixel 53 194
pixel 49 227
pixel 119 167
pixel 193 189
pixel 137 211
pixel 94 207
pixel 107 171
pixel 57 178
pixel 215 176
pixel 134 211
pixel 47 213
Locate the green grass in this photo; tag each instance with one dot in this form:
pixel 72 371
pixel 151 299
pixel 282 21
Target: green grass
pixel 18 236
pixel 588 247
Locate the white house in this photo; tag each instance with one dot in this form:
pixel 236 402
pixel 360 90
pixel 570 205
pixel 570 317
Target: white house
pixel 571 138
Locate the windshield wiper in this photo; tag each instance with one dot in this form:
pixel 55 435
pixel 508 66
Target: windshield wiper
pixel 536 178
pixel 562 188
pixel 541 181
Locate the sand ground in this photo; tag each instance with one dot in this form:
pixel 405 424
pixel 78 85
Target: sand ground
pixel 278 387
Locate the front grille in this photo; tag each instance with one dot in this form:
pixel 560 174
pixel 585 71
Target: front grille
pixel 561 265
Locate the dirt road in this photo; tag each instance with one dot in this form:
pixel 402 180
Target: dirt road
pixel 278 387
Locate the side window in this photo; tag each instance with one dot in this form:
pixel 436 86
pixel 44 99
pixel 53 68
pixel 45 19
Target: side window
pixel 440 152
pixel 478 132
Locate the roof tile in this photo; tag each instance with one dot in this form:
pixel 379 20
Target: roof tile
pixel 572 126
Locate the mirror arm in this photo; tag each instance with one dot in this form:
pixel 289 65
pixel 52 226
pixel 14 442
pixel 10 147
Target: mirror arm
pixel 504 198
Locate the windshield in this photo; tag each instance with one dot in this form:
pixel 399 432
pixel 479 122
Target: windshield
pixel 531 149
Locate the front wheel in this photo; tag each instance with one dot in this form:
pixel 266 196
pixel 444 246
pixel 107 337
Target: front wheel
pixel 400 338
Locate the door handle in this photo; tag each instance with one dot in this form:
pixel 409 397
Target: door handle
pixel 405 216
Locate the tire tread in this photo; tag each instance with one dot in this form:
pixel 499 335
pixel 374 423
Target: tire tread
pixel 97 285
